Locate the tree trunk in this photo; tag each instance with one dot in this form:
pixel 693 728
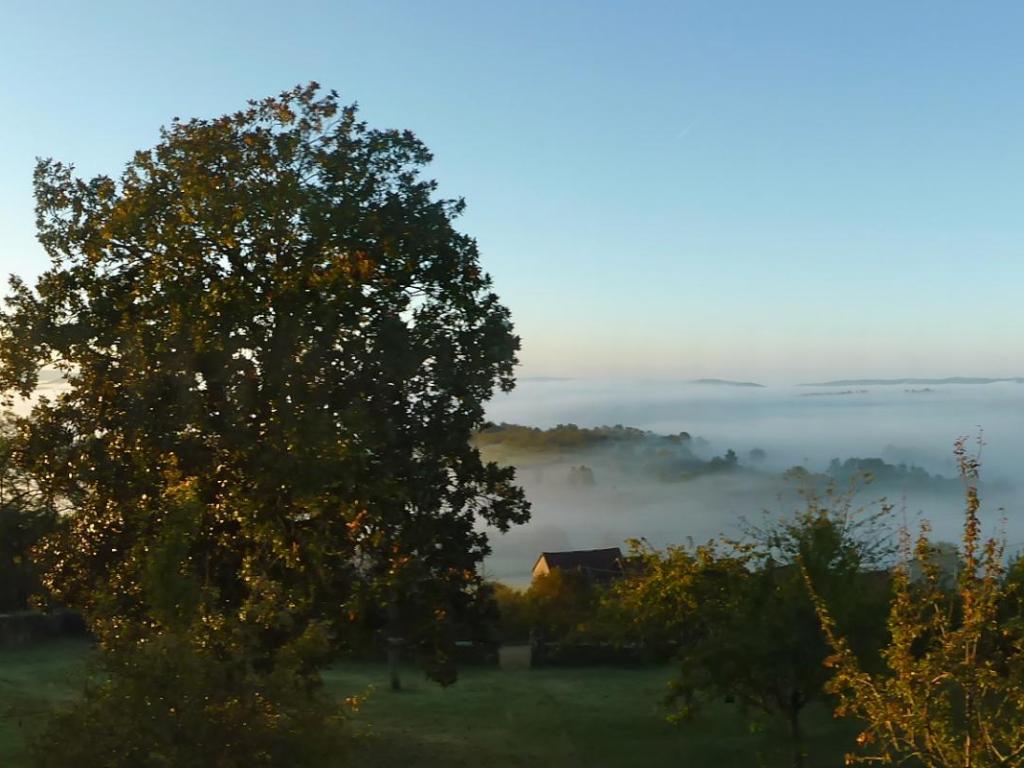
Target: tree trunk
pixel 394 647
pixel 796 735
pixel 393 659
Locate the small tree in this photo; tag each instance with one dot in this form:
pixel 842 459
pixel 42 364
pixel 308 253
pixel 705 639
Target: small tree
pixel 952 691
pixel 562 604
pixel 512 613
pixel 674 598
pixel 740 615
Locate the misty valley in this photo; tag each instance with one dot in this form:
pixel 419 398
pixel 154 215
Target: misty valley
pixel 694 460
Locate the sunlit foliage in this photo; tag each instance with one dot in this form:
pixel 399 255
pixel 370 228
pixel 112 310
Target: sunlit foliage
pixel 952 690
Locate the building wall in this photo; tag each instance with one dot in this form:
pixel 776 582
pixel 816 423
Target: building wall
pixel 541 568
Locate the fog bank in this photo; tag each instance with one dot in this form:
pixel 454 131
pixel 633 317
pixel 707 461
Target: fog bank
pixel 793 426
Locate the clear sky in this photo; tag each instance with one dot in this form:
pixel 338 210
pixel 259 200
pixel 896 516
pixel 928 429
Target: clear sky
pixel 764 190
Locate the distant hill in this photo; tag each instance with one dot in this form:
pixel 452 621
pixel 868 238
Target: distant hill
pixel 929 382
pixel 837 394
pixel 727 383
pixel 627 450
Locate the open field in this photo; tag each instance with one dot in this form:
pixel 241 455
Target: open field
pixel 511 716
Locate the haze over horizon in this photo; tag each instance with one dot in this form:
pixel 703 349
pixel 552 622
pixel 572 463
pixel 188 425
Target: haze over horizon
pixel 782 380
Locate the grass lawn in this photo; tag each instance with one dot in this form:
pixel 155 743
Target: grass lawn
pixel 31 680
pixel 513 716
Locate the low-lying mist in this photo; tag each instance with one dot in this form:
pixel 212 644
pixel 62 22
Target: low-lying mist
pixel 616 498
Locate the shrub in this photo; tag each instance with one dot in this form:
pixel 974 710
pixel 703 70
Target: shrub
pixel 952 689
pixel 513 613
pixel 167 703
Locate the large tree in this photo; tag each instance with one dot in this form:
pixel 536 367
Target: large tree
pixel 276 348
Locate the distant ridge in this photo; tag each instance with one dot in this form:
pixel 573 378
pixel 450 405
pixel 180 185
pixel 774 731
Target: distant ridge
pixel 727 383
pixel 886 382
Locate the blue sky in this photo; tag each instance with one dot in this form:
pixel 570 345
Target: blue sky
pixel 774 191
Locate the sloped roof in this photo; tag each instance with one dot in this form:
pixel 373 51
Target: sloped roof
pixel 597 560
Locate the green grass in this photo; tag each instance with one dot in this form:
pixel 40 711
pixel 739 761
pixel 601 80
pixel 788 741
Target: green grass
pixel 31 681
pixel 513 716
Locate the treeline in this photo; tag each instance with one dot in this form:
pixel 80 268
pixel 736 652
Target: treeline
pixel 680 457
pixel 906 476
pixel 875 472
pixel 667 458
pixel 561 438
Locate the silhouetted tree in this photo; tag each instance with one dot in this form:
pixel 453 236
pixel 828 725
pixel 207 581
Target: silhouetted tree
pixel 276 348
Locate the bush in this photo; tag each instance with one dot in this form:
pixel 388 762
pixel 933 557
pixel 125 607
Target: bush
pixel 168 703
pixel 560 606
pixel 514 619
pixel 563 605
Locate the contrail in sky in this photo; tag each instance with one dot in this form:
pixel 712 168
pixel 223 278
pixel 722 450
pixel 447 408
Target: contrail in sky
pixel 682 134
